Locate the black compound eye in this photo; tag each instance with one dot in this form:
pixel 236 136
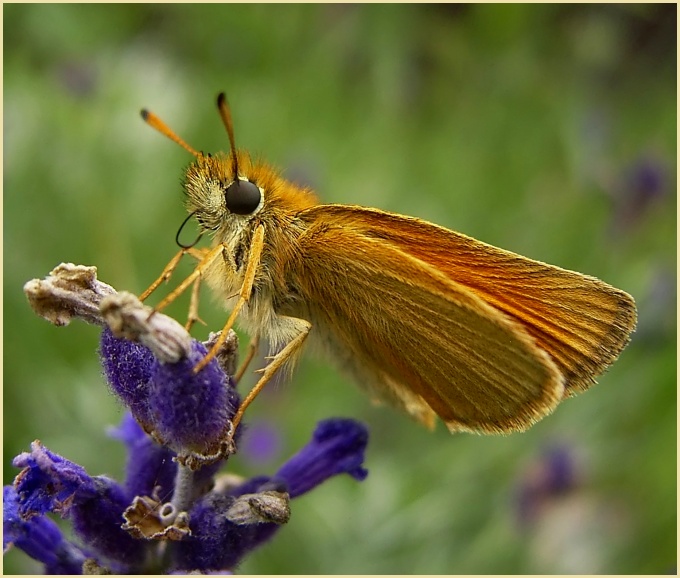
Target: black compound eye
pixel 242 197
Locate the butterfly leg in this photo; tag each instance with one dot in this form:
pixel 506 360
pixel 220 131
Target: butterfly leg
pixel 244 294
pixel 198 254
pixel 193 316
pixel 207 260
pixel 252 350
pixel 301 328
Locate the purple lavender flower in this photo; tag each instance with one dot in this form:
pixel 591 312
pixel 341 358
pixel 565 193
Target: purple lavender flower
pixel 39 537
pixel 337 447
pixel 95 505
pixel 127 367
pixel 150 467
pixel 191 411
pixel 171 513
pixel 221 533
pixel 188 412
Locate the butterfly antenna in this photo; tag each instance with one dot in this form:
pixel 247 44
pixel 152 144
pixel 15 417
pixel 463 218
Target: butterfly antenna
pixel 225 115
pixel 152 120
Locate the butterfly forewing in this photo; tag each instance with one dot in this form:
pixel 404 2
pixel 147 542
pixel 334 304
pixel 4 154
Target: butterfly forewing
pixel 580 321
pixel 399 324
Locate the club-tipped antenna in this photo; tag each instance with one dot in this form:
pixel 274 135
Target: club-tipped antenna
pixel 225 115
pixel 152 120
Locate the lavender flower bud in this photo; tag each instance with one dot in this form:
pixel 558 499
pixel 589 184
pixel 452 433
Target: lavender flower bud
pixel 51 483
pixel 39 537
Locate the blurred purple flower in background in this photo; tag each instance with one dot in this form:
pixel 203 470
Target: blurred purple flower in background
pixel 554 474
pixel 566 522
pixel 262 444
pixel 642 185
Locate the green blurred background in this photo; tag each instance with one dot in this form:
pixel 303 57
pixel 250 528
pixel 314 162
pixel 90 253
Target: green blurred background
pixel 544 129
